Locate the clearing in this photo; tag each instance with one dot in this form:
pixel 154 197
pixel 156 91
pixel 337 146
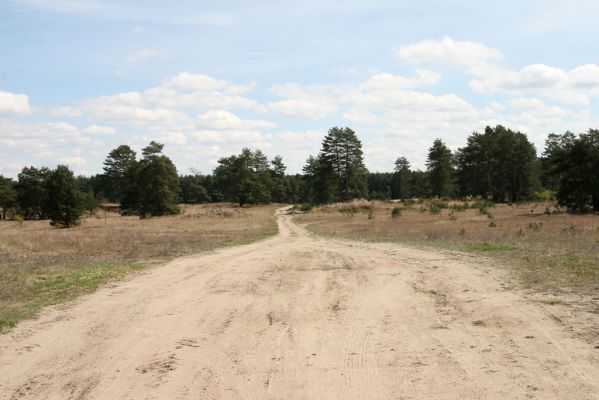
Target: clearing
pixel 305 317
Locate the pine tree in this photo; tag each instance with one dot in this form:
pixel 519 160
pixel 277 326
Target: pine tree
pixel 31 191
pixel 342 150
pixel 440 169
pixel 119 169
pixel 157 183
pixel 64 203
pixel 574 163
pixel 8 196
pixel 244 178
pixel 279 189
pixel 402 171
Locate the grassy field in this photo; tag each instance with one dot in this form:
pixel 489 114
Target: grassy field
pixel 41 265
pixel 556 252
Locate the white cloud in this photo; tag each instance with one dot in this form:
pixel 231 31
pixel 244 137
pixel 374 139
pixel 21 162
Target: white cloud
pixel 11 103
pixel 386 81
pixel 303 108
pixel 141 56
pixel 99 130
pixel 448 50
pixel 73 161
pixel 577 86
pixel 225 120
pixel 173 138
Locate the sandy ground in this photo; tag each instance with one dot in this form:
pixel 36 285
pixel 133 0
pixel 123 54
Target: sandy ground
pixel 300 317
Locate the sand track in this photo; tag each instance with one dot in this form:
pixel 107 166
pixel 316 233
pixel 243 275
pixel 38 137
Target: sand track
pixel 300 317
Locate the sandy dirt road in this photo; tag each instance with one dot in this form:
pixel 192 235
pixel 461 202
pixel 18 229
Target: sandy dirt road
pixel 300 317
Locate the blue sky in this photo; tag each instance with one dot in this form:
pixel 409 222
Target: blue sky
pixel 79 77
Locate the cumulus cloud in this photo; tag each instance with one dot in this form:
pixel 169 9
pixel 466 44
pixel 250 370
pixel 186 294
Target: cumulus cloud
pixel 577 86
pixel 303 108
pixel 225 120
pixel 448 50
pixel 99 130
pixel 11 103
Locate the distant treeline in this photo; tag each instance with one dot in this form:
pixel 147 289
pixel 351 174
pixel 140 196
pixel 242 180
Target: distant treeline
pixel 500 165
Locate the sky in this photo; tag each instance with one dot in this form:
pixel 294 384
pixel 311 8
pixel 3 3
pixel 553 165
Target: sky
pixel 207 78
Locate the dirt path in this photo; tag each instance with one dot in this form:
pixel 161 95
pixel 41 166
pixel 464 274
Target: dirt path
pixel 299 317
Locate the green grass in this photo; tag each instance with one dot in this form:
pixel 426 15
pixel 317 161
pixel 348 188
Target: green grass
pixel 25 291
pixel 62 270
pixel 485 247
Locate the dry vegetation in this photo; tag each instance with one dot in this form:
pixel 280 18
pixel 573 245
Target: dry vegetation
pixel 556 252
pixel 40 265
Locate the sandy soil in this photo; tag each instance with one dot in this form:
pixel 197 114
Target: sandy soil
pixel 300 317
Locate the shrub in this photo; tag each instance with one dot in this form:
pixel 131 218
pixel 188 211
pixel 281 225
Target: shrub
pixel 535 227
pixel 306 207
pixel 396 212
pixel 482 204
pixel 460 207
pixel 370 213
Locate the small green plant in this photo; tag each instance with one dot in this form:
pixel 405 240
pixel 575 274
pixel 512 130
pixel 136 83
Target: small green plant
pixel 490 215
pixel 306 207
pixel 370 213
pixel 484 204
pixel 396 212
pixel 462 232
pixel 409 203
pixel 535 227
pixel 492 224
pixel 19 220
pixel 433 209
pixel 460 207
pixel 519 233
pixel 571 229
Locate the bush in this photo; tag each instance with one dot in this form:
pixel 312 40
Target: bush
pixel 306 207
pixel 460 207
pixel 482 204
pixel 396 212
pixel 535 227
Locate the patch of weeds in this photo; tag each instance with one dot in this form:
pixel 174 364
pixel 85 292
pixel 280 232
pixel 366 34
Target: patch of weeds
pixel 396 212
pixel 482 204
pixel 302 207
pixel 492 224
pixel 19 220
pixel 519 233
pixel 553 302
pixel 371 214
pixel 462 232
pixel 485 247
pixel 40 287
pixel 535 227
pixel 452 216
pixel 409 203
pixel 570 230
pixel 460 207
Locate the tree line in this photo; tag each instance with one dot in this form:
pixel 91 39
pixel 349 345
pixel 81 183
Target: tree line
pixel 499 164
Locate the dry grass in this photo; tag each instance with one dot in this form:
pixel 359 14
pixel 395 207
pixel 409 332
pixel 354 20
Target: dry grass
pixel 40 265
pixel 557 252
